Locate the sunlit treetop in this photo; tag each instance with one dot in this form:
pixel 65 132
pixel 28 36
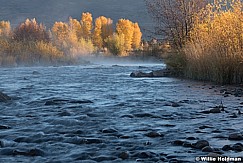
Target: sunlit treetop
pixel 5 28
pixel 87 24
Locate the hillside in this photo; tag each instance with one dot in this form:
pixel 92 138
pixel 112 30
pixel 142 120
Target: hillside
pixel 49 11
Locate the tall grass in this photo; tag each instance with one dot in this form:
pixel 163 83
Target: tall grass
pixel 215 49
pixel 15 53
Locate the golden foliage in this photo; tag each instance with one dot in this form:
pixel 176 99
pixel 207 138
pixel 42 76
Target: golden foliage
pixel 69 39
pixel 5 28
pixel 116 44
pixel 137 36
pixel 30 30
pixel 126 28
pixel 59 33
pixel 48 51
pixel 75 27
pixel 87 25
pixel 103 29
pixel 97 39
pixel 30 43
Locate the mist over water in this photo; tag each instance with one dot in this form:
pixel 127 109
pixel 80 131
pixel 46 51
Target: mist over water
pixel 124 61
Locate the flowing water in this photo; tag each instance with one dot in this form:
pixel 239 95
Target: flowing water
pixel 98 113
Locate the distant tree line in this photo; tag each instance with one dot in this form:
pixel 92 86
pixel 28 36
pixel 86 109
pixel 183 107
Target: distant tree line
pixel 31 43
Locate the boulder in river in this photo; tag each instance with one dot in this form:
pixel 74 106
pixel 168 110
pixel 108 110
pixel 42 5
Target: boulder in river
pixel 207 149
pixel 50 102
pixel 238 147
pixel 140 74
pixel 27 152
pixel 215 110
pixel 154 134
pixel 200 144
pixel 4 97
pixel 156 73
pixel 109 130
pixel 2 127
pixel 177 143
pixel 226 148
pixel 36 73
pixel 235 136
pixel 124 155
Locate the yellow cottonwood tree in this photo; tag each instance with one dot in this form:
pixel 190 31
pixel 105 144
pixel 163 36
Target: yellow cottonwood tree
pixel 106 28
pixel 137 36
pixel 31 30
pixel 67 37
pixel 126 28
pixel 97 39
pixel 87 24
pixel 5 28
pixel 75 27
pixel 60 33
pixel 103 29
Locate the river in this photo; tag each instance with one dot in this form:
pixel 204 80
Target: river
pixel 97 112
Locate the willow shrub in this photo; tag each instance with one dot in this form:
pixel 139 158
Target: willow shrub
pixel 66 37
pixel 215 49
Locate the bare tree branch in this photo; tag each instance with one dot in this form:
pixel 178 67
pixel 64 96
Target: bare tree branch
pixel 174 18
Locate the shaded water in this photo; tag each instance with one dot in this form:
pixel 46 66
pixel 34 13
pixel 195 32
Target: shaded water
pixel 98 113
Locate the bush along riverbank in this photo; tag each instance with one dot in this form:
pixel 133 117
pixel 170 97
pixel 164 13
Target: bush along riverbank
pixel 207 41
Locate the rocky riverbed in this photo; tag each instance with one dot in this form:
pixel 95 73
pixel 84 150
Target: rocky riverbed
pixel 98 113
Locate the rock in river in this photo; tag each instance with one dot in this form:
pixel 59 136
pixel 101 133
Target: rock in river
pixel 29 152
pixel 215 110
pixel 235 137
pixel 214 155
pixel 156 73
pixel 237 147
pixel 124 155
pixel 177 143
pixel 104 158
pixel 140 74
pixel 109 130
pixel 200 144
pixel 207 149
pixel 4 97
pixel 154 134
pixel 226 148
pixel 2 127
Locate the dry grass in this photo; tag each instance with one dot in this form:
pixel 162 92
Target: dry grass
pixel 15 53
pixel 215 50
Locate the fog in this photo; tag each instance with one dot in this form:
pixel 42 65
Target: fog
pixel 121 61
